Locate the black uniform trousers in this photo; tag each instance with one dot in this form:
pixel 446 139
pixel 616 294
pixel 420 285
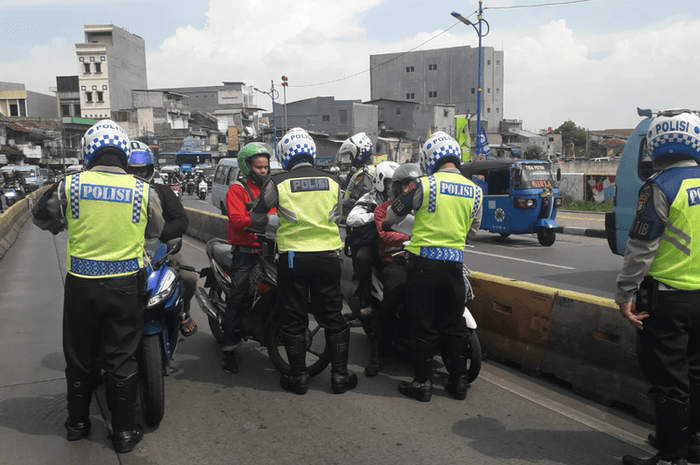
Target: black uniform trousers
pixel 435 298
pixel 102 319
pixel 669 345
pixel 314 275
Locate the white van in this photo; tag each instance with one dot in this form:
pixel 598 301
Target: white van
pixel 225 175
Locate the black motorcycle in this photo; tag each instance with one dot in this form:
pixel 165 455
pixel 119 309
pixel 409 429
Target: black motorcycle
pixel 261 322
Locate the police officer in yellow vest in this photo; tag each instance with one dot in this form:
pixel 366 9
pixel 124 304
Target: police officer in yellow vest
pixel 447 211
pixel 108 214
pixel 664 243
pixel 309 206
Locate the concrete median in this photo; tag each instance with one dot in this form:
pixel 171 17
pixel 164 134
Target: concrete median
pixel 13 218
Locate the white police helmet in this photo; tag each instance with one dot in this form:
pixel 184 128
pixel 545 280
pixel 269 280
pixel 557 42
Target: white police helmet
pixel 674 134
pixel 438 149
pixel 384 172
pixel 295 146
pixel 358 147
pixel 104 135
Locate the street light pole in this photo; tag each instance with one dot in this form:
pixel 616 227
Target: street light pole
pixel 272 93
pixel 479 31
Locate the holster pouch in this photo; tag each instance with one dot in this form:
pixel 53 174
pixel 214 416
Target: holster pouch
pixel 647 295
pixel 142 281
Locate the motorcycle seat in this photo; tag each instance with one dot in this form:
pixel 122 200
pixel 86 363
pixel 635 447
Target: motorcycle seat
pixel 222 253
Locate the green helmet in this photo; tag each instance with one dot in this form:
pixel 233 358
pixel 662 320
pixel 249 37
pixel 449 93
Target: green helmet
pixel 246 155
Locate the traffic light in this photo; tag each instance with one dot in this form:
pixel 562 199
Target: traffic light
pixel 285 81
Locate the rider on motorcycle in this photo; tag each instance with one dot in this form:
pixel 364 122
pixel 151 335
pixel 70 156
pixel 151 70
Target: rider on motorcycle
pixel 142 165
pixel 358 149
pixel 362 238
pixel 254 164
pixel 392 272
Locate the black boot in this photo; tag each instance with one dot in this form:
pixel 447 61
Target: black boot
pixel 370 327
pixel 457 349
pixel 298 381
pixel 671 434
pixel 123 394
pixel 79 398
pixel 341 380
pixel 421 388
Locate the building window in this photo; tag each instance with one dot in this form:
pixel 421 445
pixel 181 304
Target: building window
pixel 104 87
pixel 343 116
pixel 432 67
pixel 326 118
pixel 94 87
pixel 498 91
pixel 488 110
pixel 86 67
pixel 432 94
pixel 98 68
pixel 92 58
pixel 65 110
pixel 498 110
pixel 410 96
pixel 398 111
pixel 410 69
pixel 488 90
pixel 100 96
pixel 88 96
pixel 498 62
pixel 488 62
pixel 473 90
pixel 83 88
pixel 81 59
pixel 102 58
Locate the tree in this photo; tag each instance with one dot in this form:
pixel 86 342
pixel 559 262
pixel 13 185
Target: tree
pixel 534 152
pixel 572 135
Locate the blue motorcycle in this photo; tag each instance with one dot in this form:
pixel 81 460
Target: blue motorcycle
pixel 163 314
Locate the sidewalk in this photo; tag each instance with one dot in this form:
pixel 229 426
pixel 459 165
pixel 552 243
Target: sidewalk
pixel 581 223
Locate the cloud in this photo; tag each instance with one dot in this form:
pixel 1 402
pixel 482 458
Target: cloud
pixel 44 62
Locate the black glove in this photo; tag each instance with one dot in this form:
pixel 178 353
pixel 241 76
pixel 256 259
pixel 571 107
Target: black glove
pixel 386 226
pixel 250 205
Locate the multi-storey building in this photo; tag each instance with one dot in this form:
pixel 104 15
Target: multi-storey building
pixel 443 76
pixel 16 101
pixel 111 63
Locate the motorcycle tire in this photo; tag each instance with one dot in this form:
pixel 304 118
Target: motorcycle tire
pixel 10 202
pixel 318 353
pixel 546 236
pixel 475 357
pixel 152 383
pixel 217 330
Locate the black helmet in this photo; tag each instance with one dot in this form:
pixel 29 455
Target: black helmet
pixel 403 175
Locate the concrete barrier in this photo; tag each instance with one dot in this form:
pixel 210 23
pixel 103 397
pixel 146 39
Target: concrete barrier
pixel 13 218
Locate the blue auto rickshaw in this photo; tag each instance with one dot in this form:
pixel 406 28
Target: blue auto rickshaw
pixel 520 196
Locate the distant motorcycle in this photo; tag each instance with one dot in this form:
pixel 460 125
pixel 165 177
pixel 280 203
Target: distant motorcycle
pixel 189 187
pixel 262 322
pixel 203 189
pixel 176 188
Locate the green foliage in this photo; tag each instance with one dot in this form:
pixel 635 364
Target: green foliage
pixel 583 205
pixel 534 152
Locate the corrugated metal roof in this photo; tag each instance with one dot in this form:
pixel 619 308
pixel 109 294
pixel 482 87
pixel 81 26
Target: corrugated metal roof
pixel 18 128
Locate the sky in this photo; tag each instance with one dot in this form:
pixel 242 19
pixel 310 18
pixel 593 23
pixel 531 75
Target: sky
pixel 592 62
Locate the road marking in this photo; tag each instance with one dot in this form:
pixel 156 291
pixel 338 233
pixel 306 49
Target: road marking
pixel 520 260
pixel 193 243
pixel 587 420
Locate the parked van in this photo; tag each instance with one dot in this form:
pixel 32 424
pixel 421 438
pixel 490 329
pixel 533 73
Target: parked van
pixel 635 168
pixel 225 175
pixel 34 176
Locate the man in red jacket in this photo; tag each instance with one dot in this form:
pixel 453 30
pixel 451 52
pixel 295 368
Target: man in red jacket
pixel 254 165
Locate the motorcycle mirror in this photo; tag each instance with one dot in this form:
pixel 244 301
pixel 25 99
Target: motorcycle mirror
pixel 174 245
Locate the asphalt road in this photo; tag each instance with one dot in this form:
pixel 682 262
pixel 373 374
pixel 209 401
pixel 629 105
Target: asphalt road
pixel 215 418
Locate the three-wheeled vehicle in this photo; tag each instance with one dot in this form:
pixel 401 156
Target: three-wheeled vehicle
pixel 520 196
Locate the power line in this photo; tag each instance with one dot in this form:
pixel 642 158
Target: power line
pixel 380 64
pixel 534 6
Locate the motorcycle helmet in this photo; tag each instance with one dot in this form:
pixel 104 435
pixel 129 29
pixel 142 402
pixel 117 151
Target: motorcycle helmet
pixel 438 149
pixel 141 161
pixel 296 146
pixel 245 158
pixel 382 176
pixel 403 175
pixel 105 136
pixel 674 135
pixel 358 147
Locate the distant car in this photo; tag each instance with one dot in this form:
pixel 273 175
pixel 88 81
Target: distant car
pixel 601 159
pixel 157 178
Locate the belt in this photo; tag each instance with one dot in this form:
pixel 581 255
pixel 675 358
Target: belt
pixel 246 249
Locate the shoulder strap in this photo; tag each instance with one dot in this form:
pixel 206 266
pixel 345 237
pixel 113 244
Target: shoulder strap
pixel 244 183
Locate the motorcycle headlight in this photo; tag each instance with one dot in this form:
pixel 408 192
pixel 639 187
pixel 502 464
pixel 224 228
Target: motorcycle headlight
pixel 525 202
pixel 164 290
pixel 558 202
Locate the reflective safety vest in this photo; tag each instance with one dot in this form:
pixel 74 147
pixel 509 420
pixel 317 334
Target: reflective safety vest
pixel 443 220
pixel 306 211
pixel 107 217
pixel 677 262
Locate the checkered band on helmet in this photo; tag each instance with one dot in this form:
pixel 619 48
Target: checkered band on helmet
pixel 295 146
pixel 359 147
pixel 105 133
pixel 439 148
pixel 675 136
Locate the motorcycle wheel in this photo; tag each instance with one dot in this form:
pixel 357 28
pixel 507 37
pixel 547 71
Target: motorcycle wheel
pixel 152 384
pixel 318 354
pixel 546 236
pixel 216 296
pixel 9 202
pixel 474 357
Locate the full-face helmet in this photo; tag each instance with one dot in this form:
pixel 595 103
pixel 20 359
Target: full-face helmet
pixel 358 147
pixel 141 161
pixel 245 161
pixel 403 175
pixel 438 149
pixel 382 176
pixel 296 146
pixel 674 135
pixel 105 136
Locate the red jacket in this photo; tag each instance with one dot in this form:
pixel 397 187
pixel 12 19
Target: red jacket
pixel 387 240
pixel 238 215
